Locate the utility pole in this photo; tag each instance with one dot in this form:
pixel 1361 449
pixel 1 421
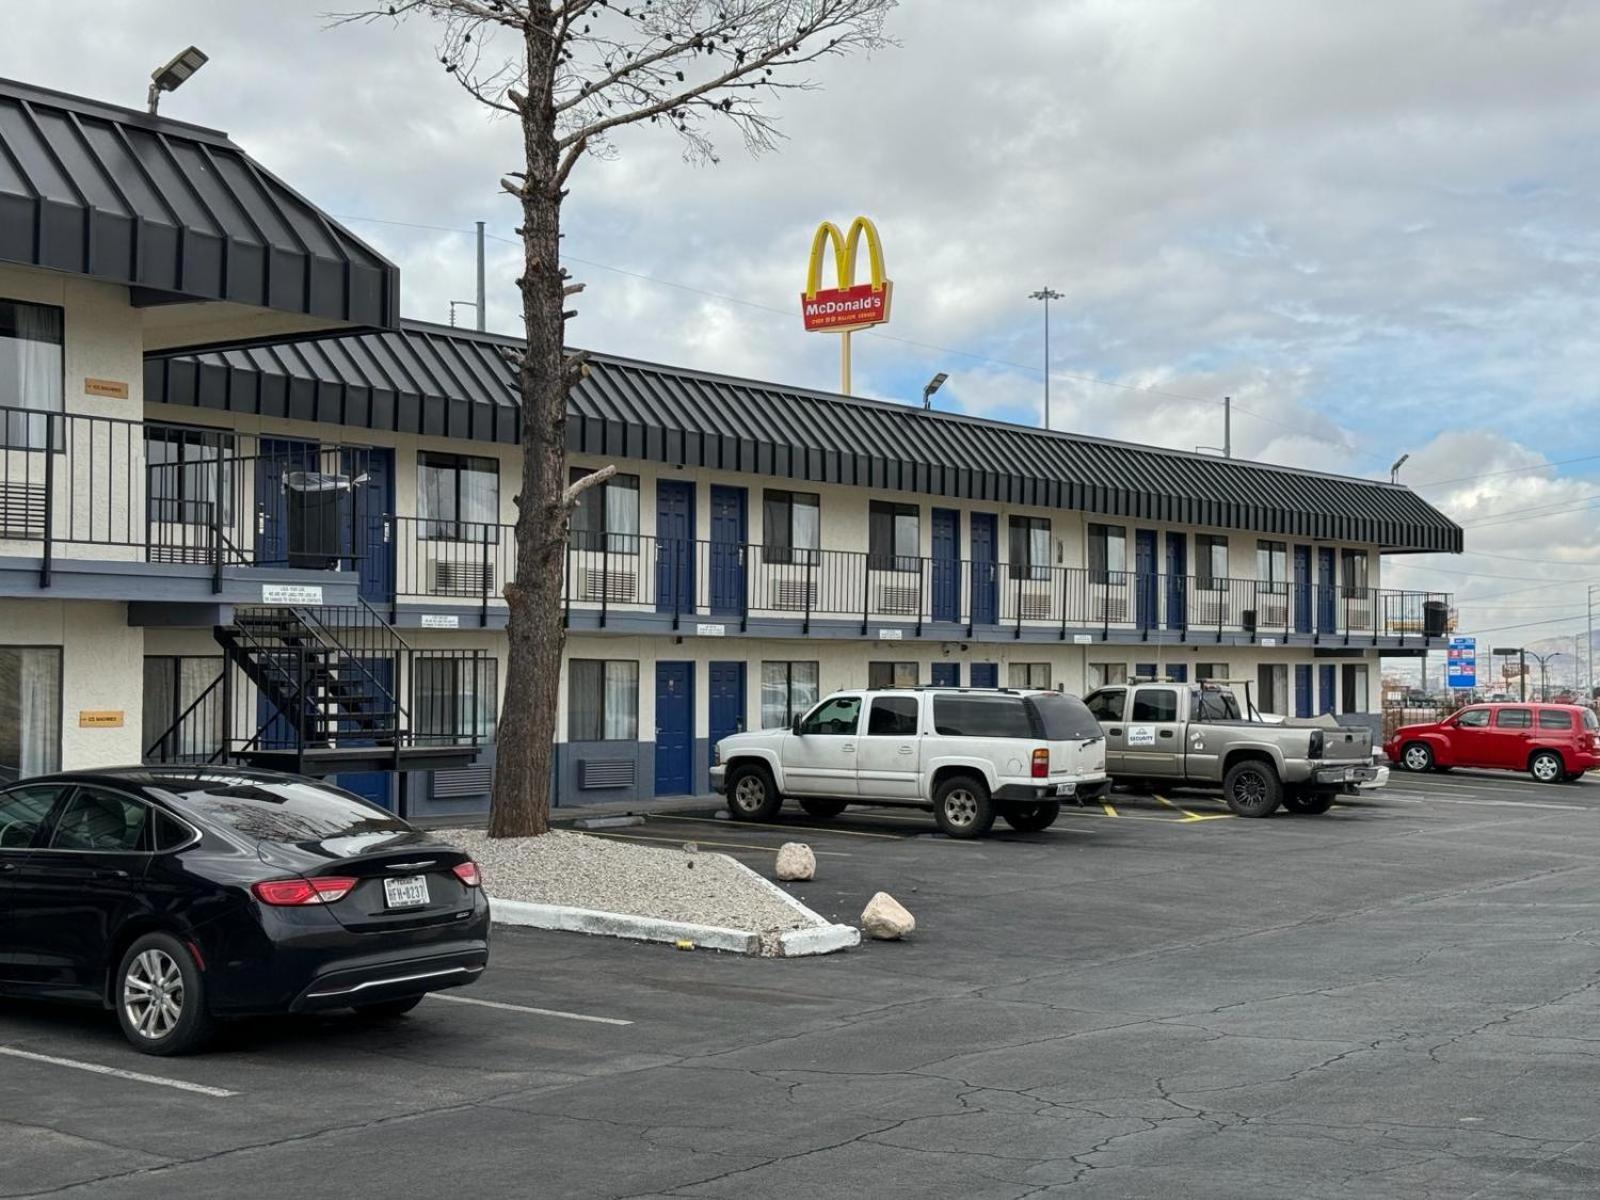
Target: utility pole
pixel 1592 588
pixel 481 324
pixel 1046 294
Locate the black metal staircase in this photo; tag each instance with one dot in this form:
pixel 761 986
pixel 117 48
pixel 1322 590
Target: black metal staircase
pixel 318 691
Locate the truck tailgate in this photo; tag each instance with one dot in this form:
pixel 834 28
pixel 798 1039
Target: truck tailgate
pixel 1346 744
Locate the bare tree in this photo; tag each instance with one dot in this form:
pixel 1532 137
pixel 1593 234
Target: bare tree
pixel 572 73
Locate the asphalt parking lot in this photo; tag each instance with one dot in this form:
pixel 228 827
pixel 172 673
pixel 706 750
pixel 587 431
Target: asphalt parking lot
pixel 1152 999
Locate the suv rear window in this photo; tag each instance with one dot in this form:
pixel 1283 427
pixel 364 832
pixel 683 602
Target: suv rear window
pixel 1554 718
pixel 1514 718
pixel 1063 718
pixel 284 811
pixel 982 716
pixel 1590 721
pixel 893 716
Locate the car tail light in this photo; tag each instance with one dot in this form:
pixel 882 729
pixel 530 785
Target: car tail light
pixel 285 893
pixel 1314 745
pixel 1041 763
pixel 716 755
pixel 467 872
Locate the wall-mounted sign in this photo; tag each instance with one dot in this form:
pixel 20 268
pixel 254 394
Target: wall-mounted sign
pixel 100 718
pixel 115 389
pixel 291 593
pixel 1269 641
pixel 891 635
pixel 711 630
pixel 440 621
pixel 847 305
pixel 1082 639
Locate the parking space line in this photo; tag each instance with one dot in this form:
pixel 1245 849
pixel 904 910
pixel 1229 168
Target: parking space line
pixel 1174 807
pixel 524 1008
pixel 764 825
pixel 119 1073
pixel 678 841
pixel 1110 811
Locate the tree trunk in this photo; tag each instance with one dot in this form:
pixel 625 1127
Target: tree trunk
pixel 526 741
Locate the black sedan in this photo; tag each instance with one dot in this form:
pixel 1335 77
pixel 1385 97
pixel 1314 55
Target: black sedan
pixel 183 896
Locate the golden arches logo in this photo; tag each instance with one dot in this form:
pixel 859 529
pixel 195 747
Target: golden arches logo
pixel 847 305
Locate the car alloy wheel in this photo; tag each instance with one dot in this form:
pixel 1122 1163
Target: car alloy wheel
pixel 960 807
pixel 750 793
pixel 1546 767
pixel 153 994
pixel 1417 758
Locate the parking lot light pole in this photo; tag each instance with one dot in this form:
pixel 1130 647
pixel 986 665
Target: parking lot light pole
pixel 1593 587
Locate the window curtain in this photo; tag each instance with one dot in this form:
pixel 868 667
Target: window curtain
pixel 480 499
pixel 621 702
pixel 30 712
pixel 30 369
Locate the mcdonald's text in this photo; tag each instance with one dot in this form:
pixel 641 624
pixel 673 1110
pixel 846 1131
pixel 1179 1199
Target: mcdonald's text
pixel 840 309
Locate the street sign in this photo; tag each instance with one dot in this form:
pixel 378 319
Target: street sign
pixel 1461 663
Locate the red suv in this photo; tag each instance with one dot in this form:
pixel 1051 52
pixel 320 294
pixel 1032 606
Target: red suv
pixel 1549 741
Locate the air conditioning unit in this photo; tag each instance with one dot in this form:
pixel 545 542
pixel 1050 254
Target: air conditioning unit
pixel 1274 614
pixel 895 599
pixel 798 595
pixel 1359 614
pixel 608 585
pixel 1111 608
pixel 22 511
pixel 1036 605
pixel 462 578
pixel 1210 611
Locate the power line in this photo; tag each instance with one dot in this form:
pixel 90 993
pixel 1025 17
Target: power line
pixel 1560 462
pixel 1533 624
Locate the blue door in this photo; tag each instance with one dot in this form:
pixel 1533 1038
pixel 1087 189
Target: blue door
pixel 985 571
pixel 370 785
pixel 674 546
pixel 946 674
pixel 946 529
pixel 1326 602
pixel 1302 590
pixel 1144 565
pixel 364 536
pixel 1302 689
pixel 728 535
pixel 674 728
pixel 726 705
pixel 1327 681
pixel 985 674
pixel 1177 581
pixel 278 456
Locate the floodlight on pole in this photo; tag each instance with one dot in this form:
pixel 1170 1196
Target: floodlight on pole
pixel 172 76
pixel 933 386
pixel 1394 471
pixel 1046 294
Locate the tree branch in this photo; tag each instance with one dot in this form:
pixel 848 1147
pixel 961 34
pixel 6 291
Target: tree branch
pixel 569 498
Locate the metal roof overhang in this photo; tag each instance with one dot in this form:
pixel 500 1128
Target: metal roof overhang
pixel 432 380
pixel 203 236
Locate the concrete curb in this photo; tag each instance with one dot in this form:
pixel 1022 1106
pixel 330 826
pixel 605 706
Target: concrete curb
pixel 818 937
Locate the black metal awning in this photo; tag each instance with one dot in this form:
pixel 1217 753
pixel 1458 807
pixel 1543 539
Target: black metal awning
pixel 432 380
pixel 176 212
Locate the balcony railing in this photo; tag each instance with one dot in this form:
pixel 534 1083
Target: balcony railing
pixel 74 485
pixel 467 564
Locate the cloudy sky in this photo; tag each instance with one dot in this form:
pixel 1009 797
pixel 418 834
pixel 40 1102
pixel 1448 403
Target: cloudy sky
pixel 1370 223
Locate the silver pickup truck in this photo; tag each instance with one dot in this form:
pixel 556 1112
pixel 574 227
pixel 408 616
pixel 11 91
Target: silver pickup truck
pixel 1196 734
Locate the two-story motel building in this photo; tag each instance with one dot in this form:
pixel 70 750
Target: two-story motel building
pixel 248 514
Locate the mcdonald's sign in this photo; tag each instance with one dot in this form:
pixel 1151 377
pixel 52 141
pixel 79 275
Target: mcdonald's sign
pixel 848 305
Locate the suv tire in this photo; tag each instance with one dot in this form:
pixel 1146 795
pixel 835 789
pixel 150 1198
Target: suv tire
pixel 962 807
pixel 1031 818
pixel 1252 788
pixel 752 796
pixel 1416 756
pixel 160 997
pixel 1308 803
pixel 823 810
pixel 1546 766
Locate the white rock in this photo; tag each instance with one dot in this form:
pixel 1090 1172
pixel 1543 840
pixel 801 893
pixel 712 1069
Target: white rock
pixel 795 861
pixel 886 919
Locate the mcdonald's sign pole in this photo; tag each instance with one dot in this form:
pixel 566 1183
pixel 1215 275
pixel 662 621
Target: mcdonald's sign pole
pixel 847 306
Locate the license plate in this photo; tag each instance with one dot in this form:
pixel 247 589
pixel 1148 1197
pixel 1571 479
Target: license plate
pixel 1065 789
pixel 411 892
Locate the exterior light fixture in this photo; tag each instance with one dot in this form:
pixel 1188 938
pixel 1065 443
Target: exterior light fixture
pixel 1394 471
pixel 933 386
pixel 172 76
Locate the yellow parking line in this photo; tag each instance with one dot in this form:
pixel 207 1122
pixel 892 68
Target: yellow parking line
pixel 1187 815
pixel 1110 811
pixel 643 837
pixel 893 837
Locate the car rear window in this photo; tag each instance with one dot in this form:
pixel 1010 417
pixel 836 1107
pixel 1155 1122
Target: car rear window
pixel 983 716
pixel 1590 721
pixel 1514 718
pixel 1554 718
pixel 1063 718
pixel 283 811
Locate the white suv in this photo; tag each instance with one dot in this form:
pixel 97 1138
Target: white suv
pixel 968 753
